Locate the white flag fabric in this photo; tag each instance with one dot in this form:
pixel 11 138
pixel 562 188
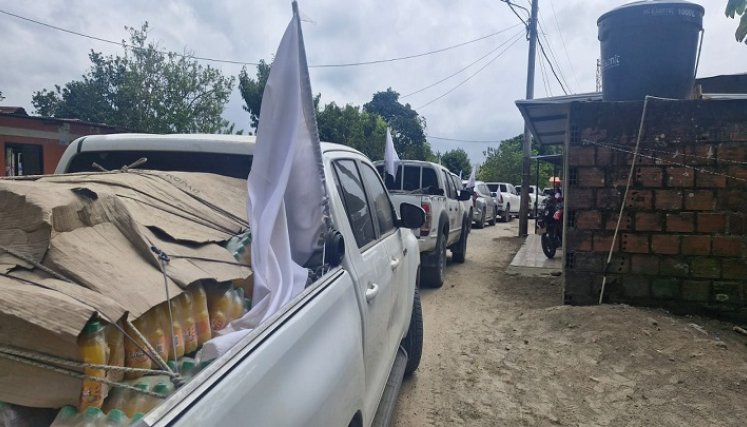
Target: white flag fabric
pixel 286 190
pixel 471 180
pixel 391 159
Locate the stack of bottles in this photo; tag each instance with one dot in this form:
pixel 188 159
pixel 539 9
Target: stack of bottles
pixel 197 314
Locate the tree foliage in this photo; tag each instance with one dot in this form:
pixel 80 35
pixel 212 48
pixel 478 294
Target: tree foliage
pixel 504 163
pixel 457 161
pixel 351 126
pixel 252 90
pixel 408 127
pixel 737 8
pixel 146 90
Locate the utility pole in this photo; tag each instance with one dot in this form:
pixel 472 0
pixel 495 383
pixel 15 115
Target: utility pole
pixel 524 208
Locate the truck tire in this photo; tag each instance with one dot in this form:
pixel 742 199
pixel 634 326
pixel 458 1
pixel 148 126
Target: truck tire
pixel 459 250
pixel 507 214
pixel 433 276
pixel 413 341
pixel 481 223
pixel 494 218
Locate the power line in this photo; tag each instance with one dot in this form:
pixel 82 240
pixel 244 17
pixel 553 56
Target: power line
pixel 565 48
pixel 542 49
pixel 228 61
pixel 543 73
pixel 516 39
pixel 552 52
pixel 480 141
pixel 461 69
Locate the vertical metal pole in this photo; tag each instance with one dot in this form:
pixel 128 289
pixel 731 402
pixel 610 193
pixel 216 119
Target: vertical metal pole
pixel 526 164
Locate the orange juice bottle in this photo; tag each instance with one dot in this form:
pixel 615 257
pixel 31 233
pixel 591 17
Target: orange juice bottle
pixel 135 357
pixel 93 349
pixel 176 328
pixel 158 334
pixel 153 401
pixel 238 303
pixel 136 400
pixel 220 307
pixel 201 314
pixel 188 322
pixel 115 341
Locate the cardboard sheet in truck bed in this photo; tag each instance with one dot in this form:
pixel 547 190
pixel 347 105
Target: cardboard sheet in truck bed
pixel 97 230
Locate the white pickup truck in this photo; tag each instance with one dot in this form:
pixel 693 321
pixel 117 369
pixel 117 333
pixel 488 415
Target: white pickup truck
pixel 447 220
pixel 335 355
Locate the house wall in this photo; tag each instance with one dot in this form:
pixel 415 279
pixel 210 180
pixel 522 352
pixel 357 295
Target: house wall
pixel 682 240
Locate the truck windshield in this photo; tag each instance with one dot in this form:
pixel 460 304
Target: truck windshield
pixel 232 165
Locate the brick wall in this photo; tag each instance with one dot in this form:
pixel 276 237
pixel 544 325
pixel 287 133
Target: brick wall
pixel 682 238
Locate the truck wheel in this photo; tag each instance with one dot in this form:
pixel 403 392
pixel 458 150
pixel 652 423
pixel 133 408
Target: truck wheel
pixel 459 251
pixel 507 214
pixel 413 341
pixel 481 223
pixel 494 218
pixel 433 276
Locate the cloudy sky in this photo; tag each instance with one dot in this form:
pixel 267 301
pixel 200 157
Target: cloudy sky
pixel 476 104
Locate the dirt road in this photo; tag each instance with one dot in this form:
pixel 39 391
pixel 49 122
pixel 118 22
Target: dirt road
pixel 500 351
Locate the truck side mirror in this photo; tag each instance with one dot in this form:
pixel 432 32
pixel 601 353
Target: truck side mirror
pixel 411 216
pixel 464 195
pixel 493 194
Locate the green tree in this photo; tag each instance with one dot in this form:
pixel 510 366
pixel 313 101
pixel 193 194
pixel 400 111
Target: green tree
pixel 349 125
pixel 735 8
pixel 146 90
pixel 408 128
pixel 457 161
pixel 252 90
pixel 504 162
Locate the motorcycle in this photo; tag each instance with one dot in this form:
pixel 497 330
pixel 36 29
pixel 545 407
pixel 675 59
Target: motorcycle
pixel 550 224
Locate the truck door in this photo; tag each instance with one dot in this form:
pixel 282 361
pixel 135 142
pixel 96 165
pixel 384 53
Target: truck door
pixel 453 207
pixel 370 256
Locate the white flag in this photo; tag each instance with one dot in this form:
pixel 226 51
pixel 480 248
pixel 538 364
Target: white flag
pixel 391 159
pixel 471 180
pixel 286 190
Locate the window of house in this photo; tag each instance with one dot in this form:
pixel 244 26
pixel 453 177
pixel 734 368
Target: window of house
pixel 23 159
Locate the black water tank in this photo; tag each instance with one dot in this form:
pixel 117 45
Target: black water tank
pixel 649 48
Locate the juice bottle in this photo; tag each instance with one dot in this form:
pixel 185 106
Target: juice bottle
pixel 93 349
pixel 65 418
pixel 136 400
pixel 152 401
pixel 238 303
pixel 115 418
pixel 134 356
pixel 115 341
pixel 220 307
pixel 201 314
pixel 176 328
pixel 188 368
pixel 135 418
pixel 188 323
pixel 116 399
pixel 157 332
pixel 90 417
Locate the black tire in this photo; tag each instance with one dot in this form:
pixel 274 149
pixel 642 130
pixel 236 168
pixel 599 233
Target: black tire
pixel 507 215
pixel 413 341
pixel 494 218
pixel 433 276
pixel 481 224
pixel 548 245
pixel 459 251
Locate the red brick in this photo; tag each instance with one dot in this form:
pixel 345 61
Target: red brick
pixel 696 245
pixel 674 267
pixel 588 220
pixel 733 152
pixel 734 269
pixel 625 224
pixel 680 177
pixel 681 222
pixel 706 267
pixel 696 290
pixel 736 175
pixel 701 200
pixel 727 246
pixel 644 264
pixel 608 198
pixel 605 156
pixel 603 241
pixel 731 201
pixel 640 199
pixel 646 221
pixel 580 198
pixel 709 180
pixel 706 153
pixel 667 244
pixel 649 176
pixel 668 199
pixel 591 177
pixel 581 156
pixel 578 241
pixel 635 243
pixel 711 222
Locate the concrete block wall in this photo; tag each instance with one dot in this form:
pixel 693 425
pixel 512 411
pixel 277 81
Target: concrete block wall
pixel 682 239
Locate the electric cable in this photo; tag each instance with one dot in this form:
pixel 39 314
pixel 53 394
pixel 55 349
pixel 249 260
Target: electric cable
pixel 565 48
pixel 481 141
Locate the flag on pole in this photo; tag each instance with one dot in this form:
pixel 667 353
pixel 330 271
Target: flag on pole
pixel 391 159
pixel 471 180
pixel 287 203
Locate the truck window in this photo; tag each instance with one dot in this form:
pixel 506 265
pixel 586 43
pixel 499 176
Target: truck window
pixel 450 190
pixel 391 183
pixel 382 205
pixel 430 181
pixel 411 181
pixel 354 197
pixel 504 189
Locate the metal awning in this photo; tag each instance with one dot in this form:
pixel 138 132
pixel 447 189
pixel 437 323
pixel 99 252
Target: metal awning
pixel 547 117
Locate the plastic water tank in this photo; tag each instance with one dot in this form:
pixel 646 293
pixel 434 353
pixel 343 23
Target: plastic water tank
pixel 649 48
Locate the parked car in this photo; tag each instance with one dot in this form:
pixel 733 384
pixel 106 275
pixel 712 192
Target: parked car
pixel 487 204
pixel 361 321
pixel 535 199
pixel 447 224
pixel 511 199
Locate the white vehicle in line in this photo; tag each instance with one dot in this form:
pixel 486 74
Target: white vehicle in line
pixel 535 199
pixel 511 199
pixel 337 353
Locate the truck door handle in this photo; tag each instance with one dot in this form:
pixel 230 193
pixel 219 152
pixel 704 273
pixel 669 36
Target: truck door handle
pixel 371 291
pixel 394 263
